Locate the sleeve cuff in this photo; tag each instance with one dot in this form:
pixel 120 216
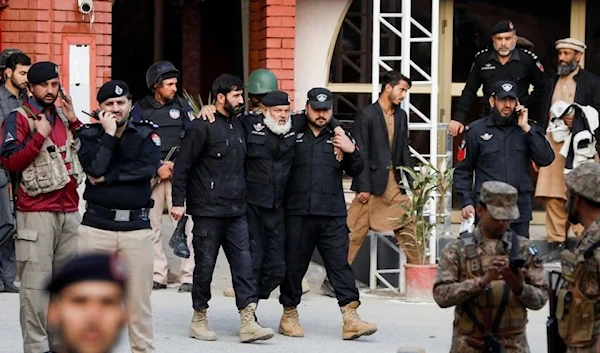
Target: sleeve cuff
pixel 38 139
pixel 528 294
pixel 109 141
pixel 467 202
pixel 75 125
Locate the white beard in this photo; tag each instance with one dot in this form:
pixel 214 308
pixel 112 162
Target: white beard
pixel 274 127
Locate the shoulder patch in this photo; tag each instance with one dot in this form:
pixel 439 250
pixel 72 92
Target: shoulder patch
pixel 473 124
pixel 148 123
pixel 481 52
pixel 156 139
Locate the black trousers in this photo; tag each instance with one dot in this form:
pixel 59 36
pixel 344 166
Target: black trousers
pixel 267 247
pixel 330 236
pixel 210 233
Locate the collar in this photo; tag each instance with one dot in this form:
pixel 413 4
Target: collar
pixel 156 104
pixel 37 108
pixel 479 238
pixel 513 56
pixel 131 125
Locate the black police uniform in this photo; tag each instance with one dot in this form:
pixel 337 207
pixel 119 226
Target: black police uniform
pixel 209 178
pixel 172 119
pixel 502 153
pixel 316 216
pixel 127 164
pixel 523 68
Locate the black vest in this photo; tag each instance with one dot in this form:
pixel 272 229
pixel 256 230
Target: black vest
pixel 168 117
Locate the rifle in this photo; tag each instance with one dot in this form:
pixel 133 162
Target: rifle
pixel 555 342
pixel 172 151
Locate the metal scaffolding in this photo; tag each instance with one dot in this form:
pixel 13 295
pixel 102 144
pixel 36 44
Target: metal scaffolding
pixel 426 121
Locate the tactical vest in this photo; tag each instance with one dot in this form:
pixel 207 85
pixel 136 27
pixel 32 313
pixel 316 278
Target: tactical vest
pixel 575 312
pixel 485 308
pixel 169 119
pixel 48 171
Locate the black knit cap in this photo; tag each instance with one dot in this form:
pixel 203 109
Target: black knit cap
pixel 503 27
pixel 275 98
pixel 112 89
pixel 91 267
pixel 41 72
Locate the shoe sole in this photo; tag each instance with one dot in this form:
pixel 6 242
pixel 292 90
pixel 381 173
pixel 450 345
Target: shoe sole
pixel 281 331
pixel 356 335
pixel 198 337
pixel 251 338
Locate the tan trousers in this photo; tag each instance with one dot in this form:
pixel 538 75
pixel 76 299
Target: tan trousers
pixel 136 248
pixel 160 194
pixel 359 225
pixel 557 218
pixel 45 241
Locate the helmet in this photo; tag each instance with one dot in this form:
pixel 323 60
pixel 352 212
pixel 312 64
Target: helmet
pixel 158 72
pixel 262 81
pixel 584 180
pixel 5 54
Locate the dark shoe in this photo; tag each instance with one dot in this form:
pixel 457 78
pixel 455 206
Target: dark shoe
pixel 327 288
pixel 10 288
pixel 185 288
pixel 157 286
pixel 554 252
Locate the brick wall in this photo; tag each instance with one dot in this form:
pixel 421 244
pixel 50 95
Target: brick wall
pixel 38 28
pixel 272 39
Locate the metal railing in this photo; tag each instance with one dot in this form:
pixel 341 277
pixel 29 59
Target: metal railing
pixel 376 274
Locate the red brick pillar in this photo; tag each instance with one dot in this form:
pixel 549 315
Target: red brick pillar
pixel 272 39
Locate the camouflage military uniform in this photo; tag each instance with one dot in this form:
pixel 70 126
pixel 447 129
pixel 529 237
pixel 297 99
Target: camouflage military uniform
pixel 581 273
pixel 457 282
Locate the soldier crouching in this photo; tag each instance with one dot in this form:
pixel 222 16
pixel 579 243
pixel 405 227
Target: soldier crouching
pixel 492 276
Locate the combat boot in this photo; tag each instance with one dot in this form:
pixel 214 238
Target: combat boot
pixel 199 327
pixel 354 327
pixel 290 324
pixel 250 330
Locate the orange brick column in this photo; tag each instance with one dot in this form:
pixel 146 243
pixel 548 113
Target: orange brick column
pixel 37 27
pixel 272 39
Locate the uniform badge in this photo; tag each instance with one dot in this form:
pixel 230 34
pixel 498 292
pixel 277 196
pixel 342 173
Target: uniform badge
pixel 191 115
pixel 507 87
pixel 540 66
pixel 321 97
pixel 488 66
pixel 156 139
pixel 462 151
pixel 9 137
pixel 486 137
pixel 300 135
pixel 174 114
pixel 258 126
pixel 118 90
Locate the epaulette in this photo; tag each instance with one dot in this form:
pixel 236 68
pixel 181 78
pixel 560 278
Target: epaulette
pixel 473 124
pixel 532 122
pixel 530 53
pixel 481 52
pixel 250 112
pixel 147 122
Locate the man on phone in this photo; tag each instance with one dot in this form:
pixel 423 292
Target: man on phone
pixel 501 147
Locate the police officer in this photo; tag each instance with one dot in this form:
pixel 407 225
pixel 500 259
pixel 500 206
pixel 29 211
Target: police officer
pixel 492 276
pixel 504 62
pixel 209 176
pixel 120 158
pixel 12 95
pixel 86 305
pixel 578 306
pixel 316 217
pixel 501 147
pixel 173 115
pixel 38 146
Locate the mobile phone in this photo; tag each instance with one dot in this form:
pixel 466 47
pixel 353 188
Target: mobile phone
pixel 516 264
pixel 62 93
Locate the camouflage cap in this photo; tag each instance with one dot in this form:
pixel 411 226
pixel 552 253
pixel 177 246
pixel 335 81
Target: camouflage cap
pixel 584 181
pixel 500 199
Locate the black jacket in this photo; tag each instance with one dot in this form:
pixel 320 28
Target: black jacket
pixel 209 173
pixel 315 185
pixel 523 69
pixel 370 132
pixel 587 92
pixel 127 164
pixel 502 154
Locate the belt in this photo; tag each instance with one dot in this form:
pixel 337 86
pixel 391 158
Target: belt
pixel 118 215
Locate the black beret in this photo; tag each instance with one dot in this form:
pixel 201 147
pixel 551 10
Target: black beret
pixel 91 267
pixel 42 72
pixel 112 89
pixel 275 98
pixel 503 27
